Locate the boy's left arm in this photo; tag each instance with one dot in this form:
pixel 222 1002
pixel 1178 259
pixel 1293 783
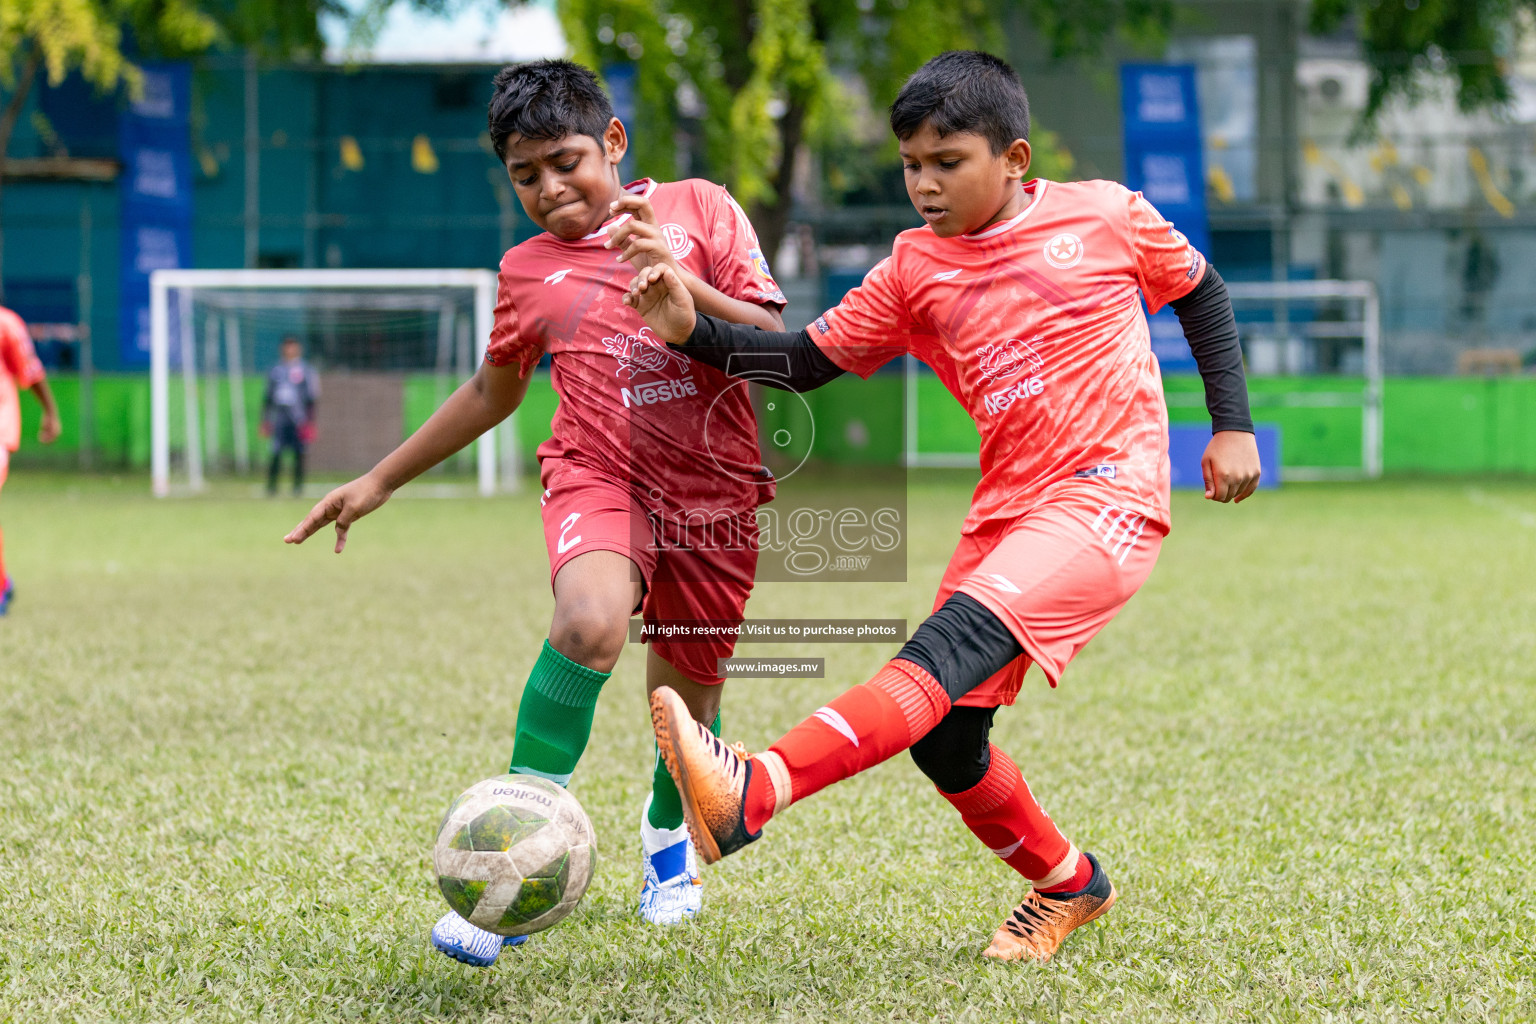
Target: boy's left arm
pixel 19 359
pixel 1231 461
pixel 49 429
pixel 640 241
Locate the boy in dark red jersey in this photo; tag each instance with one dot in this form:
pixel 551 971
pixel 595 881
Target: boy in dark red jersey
pixel 1025 299
pixel 629 476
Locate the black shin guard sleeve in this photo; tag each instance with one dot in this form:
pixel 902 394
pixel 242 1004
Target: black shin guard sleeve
pixel 787 360
pixel 962 645
pixel 957 752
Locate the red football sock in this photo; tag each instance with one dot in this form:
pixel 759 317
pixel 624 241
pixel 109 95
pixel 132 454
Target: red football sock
pixel 1005 816
pixel 858 730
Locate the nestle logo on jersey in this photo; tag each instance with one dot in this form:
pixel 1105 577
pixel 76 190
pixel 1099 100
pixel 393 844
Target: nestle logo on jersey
pixel 643 353
pixel 997 401
pixel 999 359
pixel 652 392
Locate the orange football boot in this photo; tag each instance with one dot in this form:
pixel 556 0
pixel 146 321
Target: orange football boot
pixel 711 777
pixel 1038 924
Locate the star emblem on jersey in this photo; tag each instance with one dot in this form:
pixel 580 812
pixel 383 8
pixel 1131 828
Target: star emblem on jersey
pixel 678 242
pixel 1064 251
pixel 557 276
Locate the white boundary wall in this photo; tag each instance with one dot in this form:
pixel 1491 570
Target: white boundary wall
pixel 163 282
pixel 1367 328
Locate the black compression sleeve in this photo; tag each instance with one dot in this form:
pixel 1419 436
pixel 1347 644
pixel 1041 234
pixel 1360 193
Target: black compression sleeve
pixel 787 360
pixel 1211 330
pixel 962 645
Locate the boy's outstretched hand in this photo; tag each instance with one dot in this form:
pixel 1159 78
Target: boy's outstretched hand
pixel 659 296
pixel 343 506
pixel 1230 466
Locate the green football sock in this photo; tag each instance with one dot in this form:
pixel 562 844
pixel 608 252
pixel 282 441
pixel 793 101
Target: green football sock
pixel 666 806
pixel 554 718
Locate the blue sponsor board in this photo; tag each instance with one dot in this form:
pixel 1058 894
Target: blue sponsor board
pixel 155 144
pixel 1160 112
pixel 1186 446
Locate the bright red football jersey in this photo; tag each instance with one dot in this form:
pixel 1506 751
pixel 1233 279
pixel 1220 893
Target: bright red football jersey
pixel 1035 325
pixel 682 433
pixel 19 369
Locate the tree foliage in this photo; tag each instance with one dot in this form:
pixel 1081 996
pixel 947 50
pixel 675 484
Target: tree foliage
pixel 761 76
pixel 1469 39
pixel 101 39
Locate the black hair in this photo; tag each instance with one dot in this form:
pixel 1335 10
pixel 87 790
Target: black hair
pixel 964 91
pixel 547 99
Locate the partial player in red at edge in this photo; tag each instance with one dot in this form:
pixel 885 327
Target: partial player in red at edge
pixel 1025 298
pixel 19 369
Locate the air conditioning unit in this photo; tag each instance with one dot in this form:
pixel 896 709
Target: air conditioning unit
pixel 1340 84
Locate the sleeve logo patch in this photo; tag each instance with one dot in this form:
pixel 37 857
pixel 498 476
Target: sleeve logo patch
pixel 823 326
pixel 760 264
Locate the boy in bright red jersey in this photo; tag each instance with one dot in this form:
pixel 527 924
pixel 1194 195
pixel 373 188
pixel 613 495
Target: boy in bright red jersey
pixel 19 368
pixel 1025 299
pixel 630 478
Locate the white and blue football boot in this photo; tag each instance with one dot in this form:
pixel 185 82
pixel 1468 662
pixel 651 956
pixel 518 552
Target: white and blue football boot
pixel 672 892
pixel 455 937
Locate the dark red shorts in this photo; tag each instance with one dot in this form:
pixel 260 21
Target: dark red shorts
pixel 687 575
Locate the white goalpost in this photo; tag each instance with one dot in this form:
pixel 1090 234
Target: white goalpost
pixel 1354 318
pixel 1326 333
pixel 379 331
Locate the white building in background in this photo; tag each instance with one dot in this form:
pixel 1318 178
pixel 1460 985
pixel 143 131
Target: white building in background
pixel 484 32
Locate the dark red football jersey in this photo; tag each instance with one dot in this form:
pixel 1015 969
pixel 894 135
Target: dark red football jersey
pixel 682 433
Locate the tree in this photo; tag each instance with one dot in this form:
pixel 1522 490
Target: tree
pixel 760 73
pixel 1470 39
pixel 101 38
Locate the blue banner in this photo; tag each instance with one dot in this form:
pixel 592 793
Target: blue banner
pixel 155 189
pixel 1160 112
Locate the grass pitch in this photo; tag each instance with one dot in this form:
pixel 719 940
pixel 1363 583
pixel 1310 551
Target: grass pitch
pixel 1304 753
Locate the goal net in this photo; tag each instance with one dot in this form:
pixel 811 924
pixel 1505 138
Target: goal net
pixel 1313 356
pixel 388 346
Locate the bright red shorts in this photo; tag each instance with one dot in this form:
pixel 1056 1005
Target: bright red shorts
pixel 588 510
pixel 1055 576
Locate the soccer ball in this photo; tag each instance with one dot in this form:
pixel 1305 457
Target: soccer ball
pixel 514 854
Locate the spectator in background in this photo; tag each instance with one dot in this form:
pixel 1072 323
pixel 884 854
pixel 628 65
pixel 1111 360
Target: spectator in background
pixel 288 411
pixel 19 368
